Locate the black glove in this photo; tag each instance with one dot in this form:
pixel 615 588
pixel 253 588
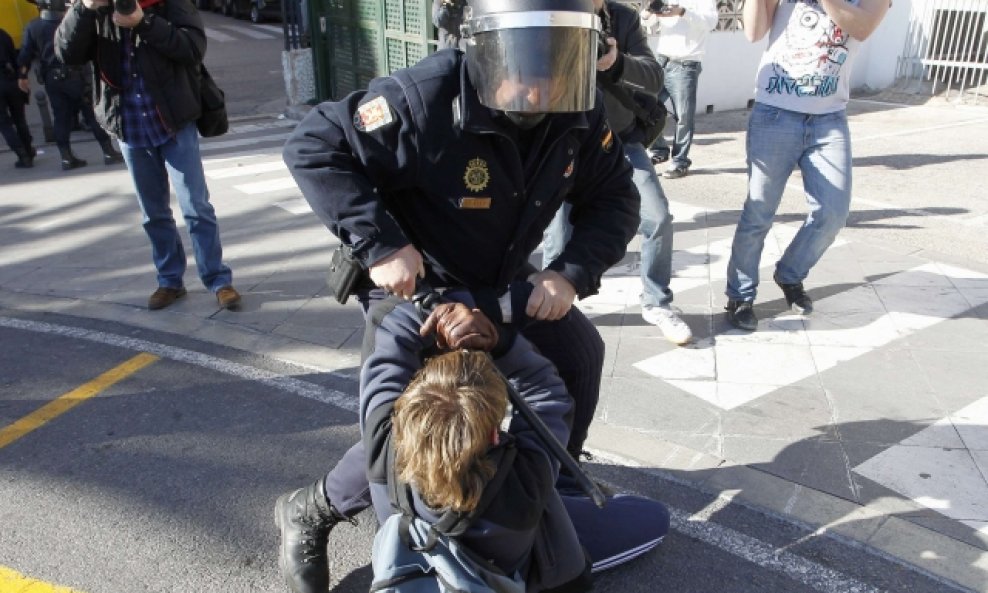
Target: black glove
pixel 457 326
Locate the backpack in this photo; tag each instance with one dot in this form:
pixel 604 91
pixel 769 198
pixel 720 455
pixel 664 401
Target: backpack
pixel 412 555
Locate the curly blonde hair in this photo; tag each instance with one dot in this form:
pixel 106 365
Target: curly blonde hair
pixel 443 426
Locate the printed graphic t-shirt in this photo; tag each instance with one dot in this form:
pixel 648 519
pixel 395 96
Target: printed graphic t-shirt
pixel 807 65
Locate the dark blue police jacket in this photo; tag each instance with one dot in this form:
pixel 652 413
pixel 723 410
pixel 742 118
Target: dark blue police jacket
pixel 417 159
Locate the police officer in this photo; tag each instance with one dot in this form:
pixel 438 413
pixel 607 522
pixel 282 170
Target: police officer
pixel 450 171
pixel 13 121
pixel 67 87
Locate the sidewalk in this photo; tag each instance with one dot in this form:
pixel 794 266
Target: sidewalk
pixel 868 420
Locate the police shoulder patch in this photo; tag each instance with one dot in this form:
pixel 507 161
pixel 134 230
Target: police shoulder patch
pixel 607 140
pixel 373 115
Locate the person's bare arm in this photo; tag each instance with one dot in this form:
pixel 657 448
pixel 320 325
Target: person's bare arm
pixel 757 18
pixel 857 21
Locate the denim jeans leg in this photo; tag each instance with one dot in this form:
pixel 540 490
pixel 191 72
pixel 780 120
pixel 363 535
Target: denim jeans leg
pixel 681 82
pixel 826 170
pixel 774 146
pixel 184 164
pixel 655 228
pixel 147 170
pixel 556 235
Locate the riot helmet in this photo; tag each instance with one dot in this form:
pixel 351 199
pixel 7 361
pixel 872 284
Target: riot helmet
pixel 532 56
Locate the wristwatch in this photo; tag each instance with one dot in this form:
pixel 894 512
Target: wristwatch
pixel 146 21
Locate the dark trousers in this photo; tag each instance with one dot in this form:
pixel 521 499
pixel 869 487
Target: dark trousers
pixel 13 122
pixel 67 95
pixel 573 344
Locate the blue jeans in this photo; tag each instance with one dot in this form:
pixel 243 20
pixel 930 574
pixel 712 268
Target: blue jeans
pixel 680 89
pixel 778 141
pixel 151 169
pixel 655 228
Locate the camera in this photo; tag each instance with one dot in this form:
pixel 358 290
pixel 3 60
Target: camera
pixel 603 34
pixel 656 6
pixel 125 7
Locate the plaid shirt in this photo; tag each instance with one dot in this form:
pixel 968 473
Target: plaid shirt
pixel 141 125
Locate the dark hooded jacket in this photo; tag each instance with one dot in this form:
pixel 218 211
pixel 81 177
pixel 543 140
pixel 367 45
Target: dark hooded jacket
pixel 170 44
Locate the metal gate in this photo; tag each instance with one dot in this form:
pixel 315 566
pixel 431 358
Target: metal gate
pixel 354 41
pixel 946 50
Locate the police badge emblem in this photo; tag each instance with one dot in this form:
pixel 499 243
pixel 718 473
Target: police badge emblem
pixel 476 177
pixel 372 115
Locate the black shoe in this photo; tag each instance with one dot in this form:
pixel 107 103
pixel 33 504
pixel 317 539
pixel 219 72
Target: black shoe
pixel 796 297
pixel 24 159
pixel 658 156
pixel 305 519
pixel 69 160
pixel 741 314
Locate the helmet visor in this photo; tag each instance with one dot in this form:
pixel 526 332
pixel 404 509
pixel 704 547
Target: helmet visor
pixel 534 62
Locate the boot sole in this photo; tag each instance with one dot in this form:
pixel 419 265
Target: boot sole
pixel 282 568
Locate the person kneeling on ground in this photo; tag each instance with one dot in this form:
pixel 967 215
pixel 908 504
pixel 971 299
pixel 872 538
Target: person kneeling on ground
pixel 437 452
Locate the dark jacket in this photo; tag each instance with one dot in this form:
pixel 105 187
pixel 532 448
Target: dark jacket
pixel 636 69
pixel 417 159
pixel 526 528
pixel 8 57
pixel 172 44
pixel 39 44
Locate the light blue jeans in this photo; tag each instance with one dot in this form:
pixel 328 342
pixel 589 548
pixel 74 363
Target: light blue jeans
pixel 778 141
pixel 681 79
pixel 151 168
pixel 655 229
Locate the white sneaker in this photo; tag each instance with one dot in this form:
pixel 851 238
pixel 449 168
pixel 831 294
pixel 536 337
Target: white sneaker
pixel 672 327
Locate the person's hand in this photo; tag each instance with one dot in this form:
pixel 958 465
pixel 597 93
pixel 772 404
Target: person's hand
pixel 457 326
pixel 397 272
pixel 552 296
pixel 607 60
pixel 94 4
pixel 24 85
pixel 129 21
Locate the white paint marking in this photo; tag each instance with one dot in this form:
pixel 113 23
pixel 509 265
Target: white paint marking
pixel 789 349
pixel 273 28
pixel 275 380
pixel 245 170
pixel 943 467
pixel 262 187
pixel 295 206
pixel 746 547
pixel 217 36
pixel 208 146
pixel 249 32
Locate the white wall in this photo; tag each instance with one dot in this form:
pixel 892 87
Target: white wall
pixel 731 62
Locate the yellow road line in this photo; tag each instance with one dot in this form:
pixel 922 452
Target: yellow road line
pixel 72 399
pixel 12 581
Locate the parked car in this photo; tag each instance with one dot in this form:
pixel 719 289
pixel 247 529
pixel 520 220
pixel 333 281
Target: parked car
pixel 256 10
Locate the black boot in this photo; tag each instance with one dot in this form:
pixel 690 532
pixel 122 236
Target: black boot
pixel 24 159
pixel 110 155
pixel 305 519
pixel 69 160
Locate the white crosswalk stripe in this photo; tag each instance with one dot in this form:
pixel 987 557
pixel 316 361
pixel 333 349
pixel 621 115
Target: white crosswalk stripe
pixel 252 32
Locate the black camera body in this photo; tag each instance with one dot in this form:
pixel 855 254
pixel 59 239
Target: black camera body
pixel 125 7
pixel 605 32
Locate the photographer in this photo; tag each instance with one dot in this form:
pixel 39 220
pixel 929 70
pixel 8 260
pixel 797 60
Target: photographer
pixel 630 79
pixel 682 30
pixel 146 61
